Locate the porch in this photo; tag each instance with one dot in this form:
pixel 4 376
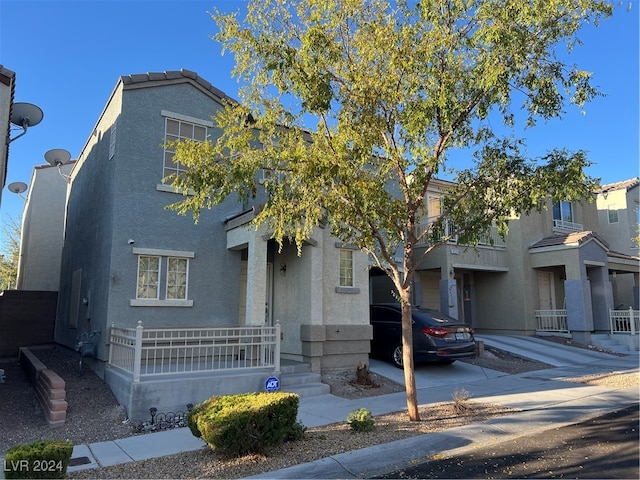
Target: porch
pixel 155 352
pixel 169 368
pixel 624 325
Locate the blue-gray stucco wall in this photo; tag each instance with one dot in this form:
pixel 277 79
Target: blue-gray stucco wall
pixel 114 200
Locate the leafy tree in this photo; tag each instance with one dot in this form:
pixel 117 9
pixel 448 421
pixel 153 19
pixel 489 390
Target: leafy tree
pixel 354 106
pixel 10 254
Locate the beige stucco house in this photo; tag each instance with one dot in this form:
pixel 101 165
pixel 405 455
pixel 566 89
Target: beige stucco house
pixel 554 273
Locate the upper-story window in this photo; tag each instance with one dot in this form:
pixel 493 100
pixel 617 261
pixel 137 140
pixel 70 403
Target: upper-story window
pixel 176 129
pixel 563 217
pixel 563 211
pixel 112 140
pixel 346 268
pixel 434 207
pixel 612 213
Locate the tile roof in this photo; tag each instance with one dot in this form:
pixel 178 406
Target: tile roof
pixel 569 239
pixel 623 185
pixel 174 75
pixel 624 256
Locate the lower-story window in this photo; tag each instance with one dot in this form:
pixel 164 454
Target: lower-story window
pixel 177 269
pixel 163 278
pixel 148 276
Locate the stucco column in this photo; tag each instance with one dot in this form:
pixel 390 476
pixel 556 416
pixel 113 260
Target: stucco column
pixel 579 309
pixel 601 296
pixel 255 309
pixel 449 297
pixel 312 332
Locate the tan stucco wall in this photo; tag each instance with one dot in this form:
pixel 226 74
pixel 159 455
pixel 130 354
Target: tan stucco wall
pixel 619 235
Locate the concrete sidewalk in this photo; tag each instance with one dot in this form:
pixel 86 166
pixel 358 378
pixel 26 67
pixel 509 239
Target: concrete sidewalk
pixel 544 399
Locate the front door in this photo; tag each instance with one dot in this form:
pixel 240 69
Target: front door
pixel 546 291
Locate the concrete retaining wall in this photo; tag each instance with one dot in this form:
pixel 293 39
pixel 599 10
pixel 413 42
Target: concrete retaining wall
pixel 173 394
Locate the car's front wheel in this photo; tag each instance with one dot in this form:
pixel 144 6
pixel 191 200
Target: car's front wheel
pixel 396 356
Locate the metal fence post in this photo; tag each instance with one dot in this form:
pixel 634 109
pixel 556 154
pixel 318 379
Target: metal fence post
pixel 632 321
pixel 113 325
pixel 276 352
pixel 137 353
pixel 611 321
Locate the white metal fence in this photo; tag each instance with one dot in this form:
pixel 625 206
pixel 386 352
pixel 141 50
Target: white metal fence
pixel 551 321
pixel 625 321
pixel 165 351
pixel 567 226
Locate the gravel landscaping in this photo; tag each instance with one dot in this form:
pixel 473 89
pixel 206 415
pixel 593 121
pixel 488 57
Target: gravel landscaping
pixel 94 415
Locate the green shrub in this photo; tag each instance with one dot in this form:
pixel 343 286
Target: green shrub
pixel 41 459
pixel 246 423
pixel 361 420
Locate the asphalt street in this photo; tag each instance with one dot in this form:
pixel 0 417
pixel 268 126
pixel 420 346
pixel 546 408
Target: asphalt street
pixel 604 447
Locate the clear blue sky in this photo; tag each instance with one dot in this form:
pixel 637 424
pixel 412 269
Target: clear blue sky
pixel 68 56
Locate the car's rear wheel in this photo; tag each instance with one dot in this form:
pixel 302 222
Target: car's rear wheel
pixel 396 356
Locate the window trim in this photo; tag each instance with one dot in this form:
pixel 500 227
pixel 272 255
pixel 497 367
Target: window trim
pixel 158 281
pixel 163 254
pixel 611 209
pixel 560 210
pixel 167 115
pixel 349 267
pixel 186 285
pixel 112 139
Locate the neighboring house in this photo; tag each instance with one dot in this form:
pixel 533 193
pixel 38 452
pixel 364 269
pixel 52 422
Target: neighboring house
pixel 553 273
pixel 217 292
pixel 43 229
pixel 619 215
pixel 619 218
pixel 7 89
pixel 13 115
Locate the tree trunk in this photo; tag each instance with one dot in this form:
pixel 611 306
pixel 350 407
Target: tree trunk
pixel 407 356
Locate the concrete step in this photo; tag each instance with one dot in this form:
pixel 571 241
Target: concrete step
pixel 289 366
pixel 308 389
pixel 609 343
pixel 297 377
pixel 287 379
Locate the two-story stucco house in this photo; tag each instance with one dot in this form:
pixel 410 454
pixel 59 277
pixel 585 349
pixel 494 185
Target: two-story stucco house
pixel 171 312
pixel 619 221
pixel 619 215
pixel 554 273
pixel 43 229
pixel 213 301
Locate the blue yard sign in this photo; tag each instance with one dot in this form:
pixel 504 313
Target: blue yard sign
pixel 272 384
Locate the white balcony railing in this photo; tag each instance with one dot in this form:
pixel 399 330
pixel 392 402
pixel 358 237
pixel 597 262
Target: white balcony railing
pixel 166 351
pixel 551 321
pixel 625 321
pixel 566 226
pixel 492 239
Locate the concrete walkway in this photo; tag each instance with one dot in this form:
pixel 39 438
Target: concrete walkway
pixel 545 401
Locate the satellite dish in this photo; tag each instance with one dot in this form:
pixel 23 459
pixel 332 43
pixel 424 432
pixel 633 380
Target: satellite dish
pixel 17 187
pixel 57 157
pixel 26 114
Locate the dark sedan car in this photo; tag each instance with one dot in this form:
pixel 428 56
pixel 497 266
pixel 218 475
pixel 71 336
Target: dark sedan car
pixel 436 337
